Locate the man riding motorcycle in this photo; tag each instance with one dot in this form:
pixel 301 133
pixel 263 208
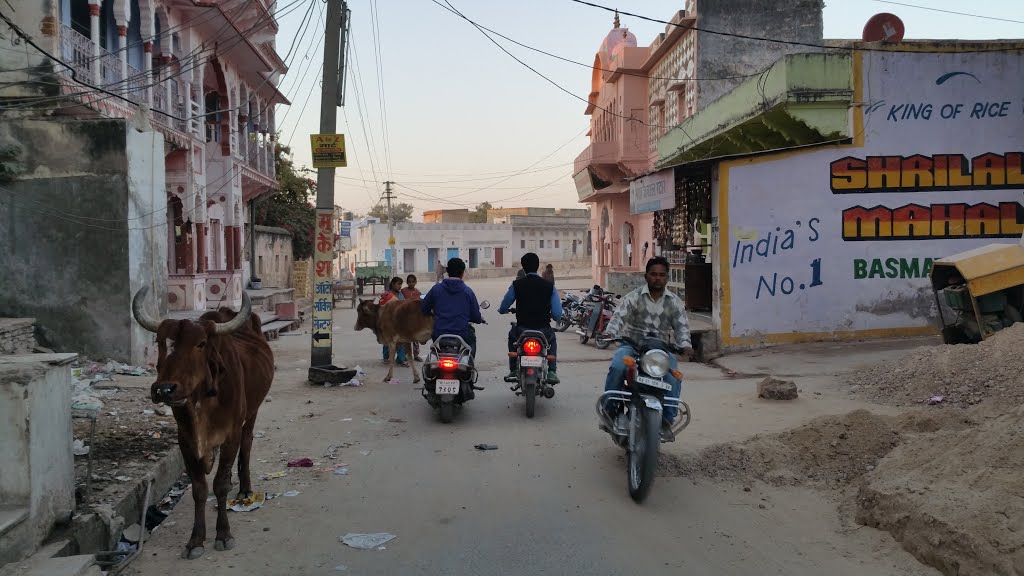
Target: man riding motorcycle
pixel 538 304
pixel 647 309
pixel 454 305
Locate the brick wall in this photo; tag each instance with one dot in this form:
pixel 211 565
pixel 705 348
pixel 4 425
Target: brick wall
pixel 17 335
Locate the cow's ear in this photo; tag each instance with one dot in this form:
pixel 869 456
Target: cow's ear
pixel 216 364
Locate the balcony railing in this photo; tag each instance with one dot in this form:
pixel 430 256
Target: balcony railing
pixel 77 51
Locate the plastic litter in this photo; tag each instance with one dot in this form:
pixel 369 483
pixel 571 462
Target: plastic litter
pixel 300 463
pixel 367 541
pixel 341 472
pixel 78 448
pixel 935 400
pixel 291 493
pixel 272 475
pixel 486 446
pixel 256 500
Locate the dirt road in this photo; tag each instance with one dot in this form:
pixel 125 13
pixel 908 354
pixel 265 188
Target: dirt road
pixel 551 500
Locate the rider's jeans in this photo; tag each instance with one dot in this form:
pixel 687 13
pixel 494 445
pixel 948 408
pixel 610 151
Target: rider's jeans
pixel 617 375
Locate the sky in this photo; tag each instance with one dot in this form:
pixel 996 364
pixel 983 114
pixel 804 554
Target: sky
pixel 464 123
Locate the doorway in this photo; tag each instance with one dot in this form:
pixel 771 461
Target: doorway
pixel 499 257
pixel 474 257
pixel 432 258
pixel 409 259
pixel 453 253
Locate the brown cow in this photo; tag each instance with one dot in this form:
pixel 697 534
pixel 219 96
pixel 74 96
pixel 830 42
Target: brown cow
pixel 215 378
pixel 394 323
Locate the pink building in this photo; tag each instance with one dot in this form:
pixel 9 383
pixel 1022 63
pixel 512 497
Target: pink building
pixel 146 129
pixel 619 150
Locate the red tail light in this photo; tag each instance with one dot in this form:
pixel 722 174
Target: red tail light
pixel 448 364
pixel 531 347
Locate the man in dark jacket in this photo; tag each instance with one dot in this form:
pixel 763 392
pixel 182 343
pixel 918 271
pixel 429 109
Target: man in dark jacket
pixel 453 305
pixel 538 304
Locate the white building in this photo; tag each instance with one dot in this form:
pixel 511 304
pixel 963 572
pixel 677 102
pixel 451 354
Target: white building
pixel 419 246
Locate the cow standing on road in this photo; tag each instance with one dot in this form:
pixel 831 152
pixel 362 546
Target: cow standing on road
pixel 214 378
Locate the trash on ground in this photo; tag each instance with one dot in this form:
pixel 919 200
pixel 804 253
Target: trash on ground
pixel 331 468
pixel 486 446
pixel 259 434
pixel 367 541
pixel 300 463
pixel 254 501
pixel 341 472
pixel 340 568
pixel 78 448
pixel 123 478
pixel 935 400
pixel 365 452
pixel 291 493
pixel 132 533
pixel 165 411
pixel 345 420
pixel 148 412
pixel 272 475
pixel 373 420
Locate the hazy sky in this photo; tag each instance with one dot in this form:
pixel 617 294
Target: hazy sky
pixel 463 115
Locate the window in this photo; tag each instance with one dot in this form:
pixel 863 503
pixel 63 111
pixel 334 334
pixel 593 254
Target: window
pixel 488 252
pixel 277 263
pixel 260 265
pixel 541 243
pixel 556 243
pixel 522 244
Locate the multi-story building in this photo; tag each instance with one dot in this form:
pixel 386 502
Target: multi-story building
pixel 148 125
pixel 639 94
pixel 452 216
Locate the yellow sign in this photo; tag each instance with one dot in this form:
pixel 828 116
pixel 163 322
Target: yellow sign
pixel 328 150
pixel 391 241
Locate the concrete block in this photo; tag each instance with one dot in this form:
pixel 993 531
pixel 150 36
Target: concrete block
pixel 65 566
pixel 773 389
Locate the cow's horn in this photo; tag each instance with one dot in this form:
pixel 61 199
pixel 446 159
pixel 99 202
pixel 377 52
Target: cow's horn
pixel 241 318
pixel 139 311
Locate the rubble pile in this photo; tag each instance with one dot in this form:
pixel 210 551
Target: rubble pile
pixel 961 375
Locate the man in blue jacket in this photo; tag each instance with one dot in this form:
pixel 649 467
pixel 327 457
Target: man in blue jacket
pixel 538 304
pixel 453 305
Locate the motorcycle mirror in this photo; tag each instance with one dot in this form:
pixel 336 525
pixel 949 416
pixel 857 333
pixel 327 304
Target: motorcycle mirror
pixel 485 304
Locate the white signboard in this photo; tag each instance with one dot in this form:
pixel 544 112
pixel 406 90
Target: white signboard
pixel 843 239
pixel 653 192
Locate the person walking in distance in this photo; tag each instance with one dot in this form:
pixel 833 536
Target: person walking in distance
pixel 438 272
pixel 549 273
pixel 410 292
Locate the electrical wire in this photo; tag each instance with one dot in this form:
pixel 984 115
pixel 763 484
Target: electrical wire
pixel 379 60
pixel 787 42
pixel 969 15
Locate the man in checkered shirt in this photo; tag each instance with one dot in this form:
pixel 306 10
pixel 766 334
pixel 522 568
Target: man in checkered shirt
pixel 646 310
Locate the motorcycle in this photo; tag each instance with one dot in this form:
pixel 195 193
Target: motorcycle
pixel 638 428
pixel 572 311
pixel 449 374
pixel 602 305
pixel 532 375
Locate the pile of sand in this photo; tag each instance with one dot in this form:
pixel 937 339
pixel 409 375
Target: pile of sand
pixel 955 499
pixel 829 451
pixel 946 484
pixel 964 374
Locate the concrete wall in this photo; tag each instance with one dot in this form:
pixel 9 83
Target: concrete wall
pixel 35 447
pixel 721 56
pixel 819 244
pixel 83 228
pixel 37 18
pixel 274 257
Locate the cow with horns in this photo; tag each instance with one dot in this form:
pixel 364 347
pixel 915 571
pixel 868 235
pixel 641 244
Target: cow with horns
pixel 214 377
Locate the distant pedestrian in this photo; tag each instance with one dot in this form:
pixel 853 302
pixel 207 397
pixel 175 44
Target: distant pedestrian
pixel 520 274
pixel 438 272
pixel 549 273
pixel 412 293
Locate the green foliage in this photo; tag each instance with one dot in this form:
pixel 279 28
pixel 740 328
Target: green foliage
pixel 479 214
pixel 292 207
pixel 402 212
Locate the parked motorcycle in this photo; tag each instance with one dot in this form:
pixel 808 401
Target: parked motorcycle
pixel 602 305
pixel 532 375
pixel 572 311
pixel 449 374
pixel 638 428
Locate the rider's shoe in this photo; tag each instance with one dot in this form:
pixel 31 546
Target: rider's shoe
pixel 512 376
pixel 553 377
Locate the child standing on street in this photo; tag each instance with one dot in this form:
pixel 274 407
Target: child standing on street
pixel 394 292
pixel 410 292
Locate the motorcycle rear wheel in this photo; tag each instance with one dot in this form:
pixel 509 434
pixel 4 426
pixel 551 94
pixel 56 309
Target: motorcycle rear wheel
pixel 641 465
pixel 602 344
pixel 531 399
pixel 447 412
pixel 564 324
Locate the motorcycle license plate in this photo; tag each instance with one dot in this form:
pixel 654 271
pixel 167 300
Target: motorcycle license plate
pixel 531 361
pixel 654 382
pixel 446 387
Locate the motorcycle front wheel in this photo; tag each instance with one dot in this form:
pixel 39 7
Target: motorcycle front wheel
pixel 642 463
pixel 564 324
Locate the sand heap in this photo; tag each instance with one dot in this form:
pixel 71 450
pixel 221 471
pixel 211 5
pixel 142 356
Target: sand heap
pixel 963 375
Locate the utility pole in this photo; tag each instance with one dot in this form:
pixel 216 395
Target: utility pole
pixel 323 278
pixel 391 229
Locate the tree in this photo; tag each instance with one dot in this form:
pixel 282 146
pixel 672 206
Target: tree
pixel 402 212
pixel 290 207
pixel 479 214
